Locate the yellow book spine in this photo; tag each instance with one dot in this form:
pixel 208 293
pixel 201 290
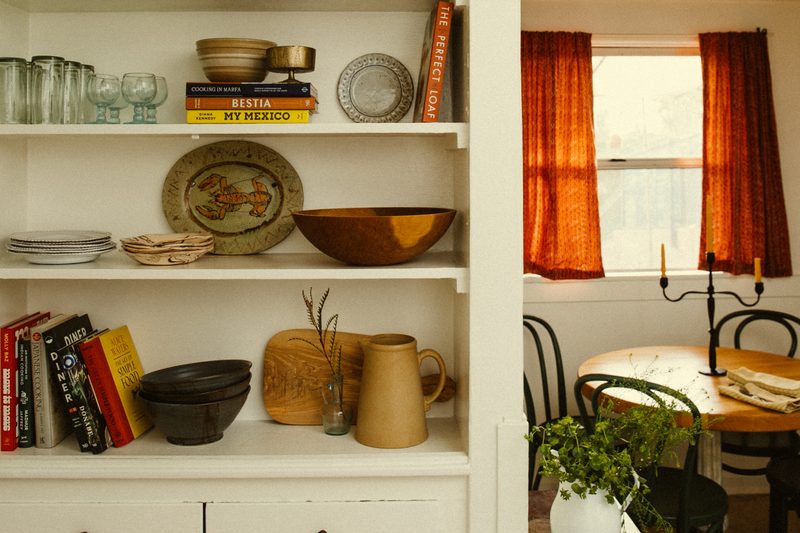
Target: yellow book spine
pixel 224 116
pixel 126 369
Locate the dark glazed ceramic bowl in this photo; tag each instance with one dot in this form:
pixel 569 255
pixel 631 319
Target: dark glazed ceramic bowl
pixel 196 423
pixel 374 235
pixel 203 376
pixel 199 397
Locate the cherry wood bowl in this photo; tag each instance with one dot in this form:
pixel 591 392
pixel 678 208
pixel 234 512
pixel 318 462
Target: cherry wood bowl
pixel 199 377
pixel 374 236
pixel 194 423
pixel 199 397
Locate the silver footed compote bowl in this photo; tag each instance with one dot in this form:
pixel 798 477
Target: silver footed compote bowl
pixel 160 98
pixel 138 89
pixel 102 90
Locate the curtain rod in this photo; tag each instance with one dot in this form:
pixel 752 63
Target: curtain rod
pixel 648 40
pixel 645 41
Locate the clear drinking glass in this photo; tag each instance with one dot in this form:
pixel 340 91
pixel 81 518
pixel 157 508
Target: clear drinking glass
pixel 72 92
pixel 30 90
pixel 138 89
pixel 103 91
pixel 159 99
pixel 13 90
pixel 87 108
pixel 47 102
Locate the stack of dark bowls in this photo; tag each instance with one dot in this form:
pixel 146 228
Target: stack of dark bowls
pixel 196 402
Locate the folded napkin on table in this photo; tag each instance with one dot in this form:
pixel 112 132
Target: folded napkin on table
pixel 764 390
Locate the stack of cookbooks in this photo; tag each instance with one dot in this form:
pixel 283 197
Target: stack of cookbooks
pixel 249 103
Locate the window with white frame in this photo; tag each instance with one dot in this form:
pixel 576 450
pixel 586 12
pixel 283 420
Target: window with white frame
pixel 648 119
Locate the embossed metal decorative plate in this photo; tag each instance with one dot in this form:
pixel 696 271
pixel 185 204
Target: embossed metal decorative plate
pixel 376 88
pixel 241 192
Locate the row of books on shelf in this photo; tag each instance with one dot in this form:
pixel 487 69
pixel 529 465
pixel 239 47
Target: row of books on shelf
pixel 250 103
pixel 62 376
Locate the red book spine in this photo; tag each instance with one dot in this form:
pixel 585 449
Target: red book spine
pixel 441 38
pixel 106 391
pixel 9 374
pixel 7 441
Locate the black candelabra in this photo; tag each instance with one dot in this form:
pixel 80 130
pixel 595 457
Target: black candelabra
pixel 712 369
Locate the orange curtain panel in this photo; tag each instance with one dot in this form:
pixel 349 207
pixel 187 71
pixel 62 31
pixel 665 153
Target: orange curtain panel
pixel 562 221
pixel 741 165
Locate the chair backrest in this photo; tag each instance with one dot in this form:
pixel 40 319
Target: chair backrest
pixel 749 316
pixel 533 324
pixel 656 392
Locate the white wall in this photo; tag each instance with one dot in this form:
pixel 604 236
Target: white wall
pixel 594 317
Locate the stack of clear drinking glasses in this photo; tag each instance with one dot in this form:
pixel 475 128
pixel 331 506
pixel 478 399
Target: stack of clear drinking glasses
pixel 52 90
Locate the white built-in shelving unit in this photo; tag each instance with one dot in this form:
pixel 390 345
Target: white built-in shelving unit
pixel 463 298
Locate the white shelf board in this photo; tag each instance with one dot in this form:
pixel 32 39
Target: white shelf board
pixel 457 131
pixel 267 266
pixel 249 449
pixel 110 6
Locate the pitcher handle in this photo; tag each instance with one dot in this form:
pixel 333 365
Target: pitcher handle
pixel 429 398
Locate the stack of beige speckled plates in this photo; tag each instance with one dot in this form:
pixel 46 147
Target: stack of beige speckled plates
pixel 60 247
pixel 167 249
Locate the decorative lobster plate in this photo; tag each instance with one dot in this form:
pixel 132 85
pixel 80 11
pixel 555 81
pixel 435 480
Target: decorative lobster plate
pixel 241 192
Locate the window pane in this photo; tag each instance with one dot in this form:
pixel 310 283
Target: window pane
pixel 648 106
pixel 642 208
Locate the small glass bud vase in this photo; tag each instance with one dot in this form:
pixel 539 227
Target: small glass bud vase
pixel 336 415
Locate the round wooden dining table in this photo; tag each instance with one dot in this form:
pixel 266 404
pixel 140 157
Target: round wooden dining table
pixel 678 367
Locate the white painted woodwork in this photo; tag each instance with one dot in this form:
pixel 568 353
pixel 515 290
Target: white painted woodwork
pixel 333 517
pixel 463 298
pixel 102 517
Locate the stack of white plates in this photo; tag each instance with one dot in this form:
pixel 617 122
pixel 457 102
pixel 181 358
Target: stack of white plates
pixel 60 247
pixel 167 249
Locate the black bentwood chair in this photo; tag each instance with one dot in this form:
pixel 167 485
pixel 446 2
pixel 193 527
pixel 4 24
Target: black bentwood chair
pixel 767 444
pixel 783 474
pixel 682 497
pixel 534 325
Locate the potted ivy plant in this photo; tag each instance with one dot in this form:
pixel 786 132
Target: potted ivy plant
pixel 604 467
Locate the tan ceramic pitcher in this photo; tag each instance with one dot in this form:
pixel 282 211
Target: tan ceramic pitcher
pixel 391 405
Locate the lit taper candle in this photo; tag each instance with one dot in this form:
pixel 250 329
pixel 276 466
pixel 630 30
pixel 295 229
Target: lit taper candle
pixel 758 269
pixel 709 226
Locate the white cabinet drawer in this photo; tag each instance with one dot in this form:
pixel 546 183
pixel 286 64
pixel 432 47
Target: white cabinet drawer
pixel 101 517
pixel 332 517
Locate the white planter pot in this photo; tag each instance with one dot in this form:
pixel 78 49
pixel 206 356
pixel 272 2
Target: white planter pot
pixel 591 515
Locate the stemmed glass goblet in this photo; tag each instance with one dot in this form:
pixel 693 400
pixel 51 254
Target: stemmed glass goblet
pixel 138 89
pixel 102 91
pixel 160 98
pixel 115 108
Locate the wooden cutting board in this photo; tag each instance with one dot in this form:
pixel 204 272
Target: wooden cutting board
pixel 295 372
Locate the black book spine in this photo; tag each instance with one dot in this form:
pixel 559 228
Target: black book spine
pixel 55 339
pixel 87 418
pixel 27 428
pixel 250 89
